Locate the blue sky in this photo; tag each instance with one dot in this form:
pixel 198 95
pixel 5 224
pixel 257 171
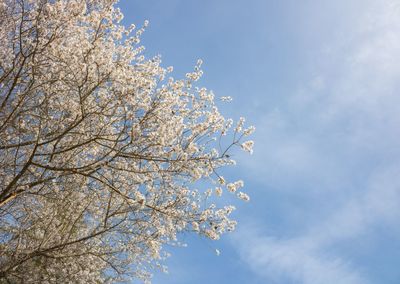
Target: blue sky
pixel 320 81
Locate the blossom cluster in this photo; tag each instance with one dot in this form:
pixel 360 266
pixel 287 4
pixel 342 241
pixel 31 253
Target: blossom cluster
pixel 101 151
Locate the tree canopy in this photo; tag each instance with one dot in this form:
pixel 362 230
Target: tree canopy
pixel 101 151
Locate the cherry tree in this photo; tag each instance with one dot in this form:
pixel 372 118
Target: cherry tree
pixel 102 153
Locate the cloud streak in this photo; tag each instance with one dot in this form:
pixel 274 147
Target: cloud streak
pixel 337 134
pixel 296 259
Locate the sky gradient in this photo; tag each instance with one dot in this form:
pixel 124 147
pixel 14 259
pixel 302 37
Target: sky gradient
pixel 320 80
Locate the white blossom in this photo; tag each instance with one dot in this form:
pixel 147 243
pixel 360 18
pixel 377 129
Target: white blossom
pixel 101 157
pixel 218 191
pixel 239 125
pixel 248 146
pixel 231 187
pixel 248 131
pixel 243 196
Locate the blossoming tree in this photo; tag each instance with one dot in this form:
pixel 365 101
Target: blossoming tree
pixel 100 151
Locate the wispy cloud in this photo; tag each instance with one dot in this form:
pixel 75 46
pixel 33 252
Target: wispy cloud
pixel 296 260
pixel 338 134
pixel 308 257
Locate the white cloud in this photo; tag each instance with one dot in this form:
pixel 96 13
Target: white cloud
pixel 338 133
pixel 297 260
pixel 307 258
pixel 339 117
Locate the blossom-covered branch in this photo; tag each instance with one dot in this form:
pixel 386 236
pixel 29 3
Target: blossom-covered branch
pixel 100 150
